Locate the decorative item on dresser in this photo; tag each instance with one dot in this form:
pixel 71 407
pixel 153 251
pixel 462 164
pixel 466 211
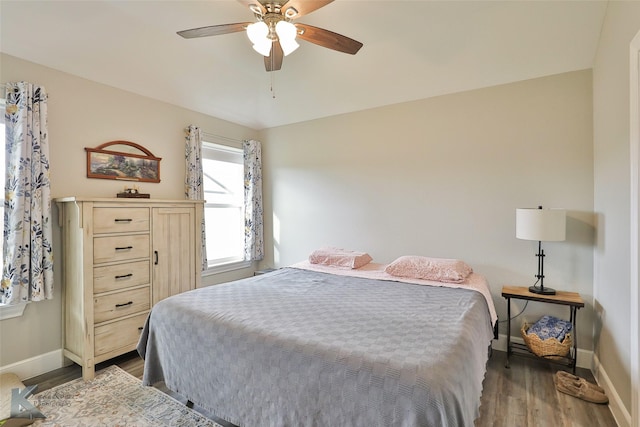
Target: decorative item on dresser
pixel 121 256
pixel 133 193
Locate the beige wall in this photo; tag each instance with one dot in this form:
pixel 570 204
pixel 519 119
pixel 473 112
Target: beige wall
pixel 86 114
pixel 611 193
pixel 442 177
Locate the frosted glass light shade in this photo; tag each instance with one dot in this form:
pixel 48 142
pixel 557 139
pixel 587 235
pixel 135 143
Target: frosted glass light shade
pixel 548 225
pixel 264 47
pixel 287 33
pixel 257 33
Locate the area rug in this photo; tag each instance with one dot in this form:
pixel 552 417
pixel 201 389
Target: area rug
pixel 113 398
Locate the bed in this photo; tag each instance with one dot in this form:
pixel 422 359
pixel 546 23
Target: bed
pixel 312 345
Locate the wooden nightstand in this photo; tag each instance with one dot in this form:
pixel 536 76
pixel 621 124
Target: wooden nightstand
pixel 570 299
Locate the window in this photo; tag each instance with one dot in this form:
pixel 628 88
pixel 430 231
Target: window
pixel 7 311
pixel 2 165
pixel 223 183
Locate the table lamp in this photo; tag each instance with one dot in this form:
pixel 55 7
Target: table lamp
pixel 547 225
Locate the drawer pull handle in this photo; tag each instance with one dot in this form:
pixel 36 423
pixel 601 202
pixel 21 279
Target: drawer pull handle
pixel 155 253
pixel 140 328
pixel 124 248
pixel 123 220
pixel 125 304
pixel 124 276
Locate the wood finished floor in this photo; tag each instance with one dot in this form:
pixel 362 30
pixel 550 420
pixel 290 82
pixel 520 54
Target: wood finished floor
pixel 522 396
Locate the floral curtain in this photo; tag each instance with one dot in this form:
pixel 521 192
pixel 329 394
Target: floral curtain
pixel 193 188
pixel 27 273
pixel 253 227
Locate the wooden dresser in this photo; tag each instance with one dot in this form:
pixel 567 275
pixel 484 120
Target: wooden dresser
pixel 121 256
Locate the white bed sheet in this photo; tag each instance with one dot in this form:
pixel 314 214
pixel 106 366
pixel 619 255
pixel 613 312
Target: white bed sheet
pixel 475 281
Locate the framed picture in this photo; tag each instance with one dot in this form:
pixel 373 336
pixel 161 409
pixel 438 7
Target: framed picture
pixel 131 162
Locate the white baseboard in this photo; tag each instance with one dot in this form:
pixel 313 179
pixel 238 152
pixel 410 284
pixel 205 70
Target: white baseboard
pixel 584 359
pixel 620 413
pixel 35 366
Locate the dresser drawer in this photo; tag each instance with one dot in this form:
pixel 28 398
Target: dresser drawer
pixel 120 248
pixel 120 276
pixel 112 306
pixel 121 334
pixel 120 220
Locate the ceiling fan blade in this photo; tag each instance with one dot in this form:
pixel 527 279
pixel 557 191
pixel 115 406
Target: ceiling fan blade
pixel 328 39
pixel 258 4
pixel 214 30
pixel 273 62
pixel 304 7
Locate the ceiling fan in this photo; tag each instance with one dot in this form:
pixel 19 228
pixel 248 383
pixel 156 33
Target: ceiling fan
pixel 273 34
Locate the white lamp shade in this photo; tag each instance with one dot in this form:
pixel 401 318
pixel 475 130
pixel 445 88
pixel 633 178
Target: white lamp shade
pixel 547 225
pixel 287 33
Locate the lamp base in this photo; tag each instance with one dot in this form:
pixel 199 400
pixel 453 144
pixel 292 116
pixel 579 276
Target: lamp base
pixel 542 291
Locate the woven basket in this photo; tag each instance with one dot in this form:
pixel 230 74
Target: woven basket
pixel 550 348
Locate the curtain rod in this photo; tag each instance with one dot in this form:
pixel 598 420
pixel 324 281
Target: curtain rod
pixel 219 137
pixel 224 138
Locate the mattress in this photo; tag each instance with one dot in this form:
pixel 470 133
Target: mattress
pixel 309 348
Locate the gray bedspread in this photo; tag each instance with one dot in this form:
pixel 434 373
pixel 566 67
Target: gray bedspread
pixel 302 348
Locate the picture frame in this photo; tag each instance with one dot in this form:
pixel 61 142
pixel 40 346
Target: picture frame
pixel 132 162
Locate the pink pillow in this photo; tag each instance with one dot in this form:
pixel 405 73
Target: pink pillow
pixel 339 257
pixel 438 269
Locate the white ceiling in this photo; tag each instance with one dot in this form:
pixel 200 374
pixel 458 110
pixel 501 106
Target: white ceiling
pixel 412 50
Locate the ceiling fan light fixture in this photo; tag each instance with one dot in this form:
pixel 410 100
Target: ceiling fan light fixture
pixel 291 12
pixel 287 32
pixel 273 34
pixel 255 9
pixel 264 47
pixel 258 33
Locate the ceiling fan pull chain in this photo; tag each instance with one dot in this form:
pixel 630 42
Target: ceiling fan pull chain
pixel 273 93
